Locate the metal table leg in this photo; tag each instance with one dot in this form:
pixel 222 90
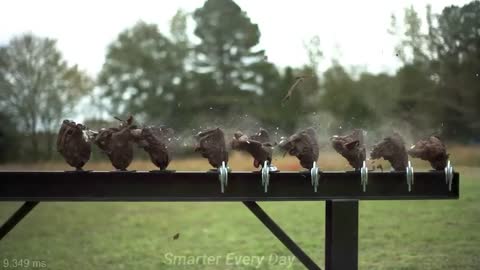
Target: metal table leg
pixel 16 218
pixel 282 236
pixel 341 235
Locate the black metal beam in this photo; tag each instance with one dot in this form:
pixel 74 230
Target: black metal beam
pixel 16 218
pixel 281 235
pixel 205 186
pixel 341 235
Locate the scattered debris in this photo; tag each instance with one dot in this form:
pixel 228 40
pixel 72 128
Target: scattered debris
pixel 298 80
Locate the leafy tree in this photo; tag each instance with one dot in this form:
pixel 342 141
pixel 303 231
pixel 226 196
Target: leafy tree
pixel 415 102
pixel 379 93
pixel 142 71
pixel 180 38
pixel 178 31
pixel 411 48
pixel 9 142
pixel 267 107
pixel 344 99
pixel 414 80
pixel 314 53
pixel 38 87
pixel 226 53
pixel 458 68
pixel 289 115
pixel 439 84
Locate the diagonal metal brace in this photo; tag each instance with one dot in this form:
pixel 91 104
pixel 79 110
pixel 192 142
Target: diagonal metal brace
pixel 281 235
pixel 16 218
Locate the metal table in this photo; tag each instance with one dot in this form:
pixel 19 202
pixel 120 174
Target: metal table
pixel 342 192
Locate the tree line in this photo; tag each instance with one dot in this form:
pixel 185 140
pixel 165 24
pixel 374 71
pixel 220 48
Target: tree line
pixel 164 77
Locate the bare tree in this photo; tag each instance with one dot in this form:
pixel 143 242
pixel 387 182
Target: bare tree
pixel 38 87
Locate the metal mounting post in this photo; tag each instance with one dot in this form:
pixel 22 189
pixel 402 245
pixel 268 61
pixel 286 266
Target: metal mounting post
pixel 449 175
pixel 223 176
pixel 410 176
pixel 364 176
pixel 314 175
pixel 341 235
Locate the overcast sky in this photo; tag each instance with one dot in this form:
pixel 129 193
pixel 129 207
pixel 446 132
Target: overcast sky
pixel 353 31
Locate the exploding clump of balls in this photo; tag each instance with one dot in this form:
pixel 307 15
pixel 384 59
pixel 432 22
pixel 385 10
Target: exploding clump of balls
pixel 74 143
pixel 117 143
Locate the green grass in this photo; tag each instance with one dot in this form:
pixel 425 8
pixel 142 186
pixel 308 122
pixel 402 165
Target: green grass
pixel 393 235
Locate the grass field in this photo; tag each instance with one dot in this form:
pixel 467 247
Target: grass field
pixel 393 235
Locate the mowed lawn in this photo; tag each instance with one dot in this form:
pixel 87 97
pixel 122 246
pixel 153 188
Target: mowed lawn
pixel 393 234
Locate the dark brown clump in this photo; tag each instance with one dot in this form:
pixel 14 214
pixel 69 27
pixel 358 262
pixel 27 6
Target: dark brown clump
pixel 155 141
pixel 74 144
pixel 433 150
pixel 211 144
pixel 351 147
pixel 258 145
pixel 117 143
pixel 303 145
pixel 393 149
